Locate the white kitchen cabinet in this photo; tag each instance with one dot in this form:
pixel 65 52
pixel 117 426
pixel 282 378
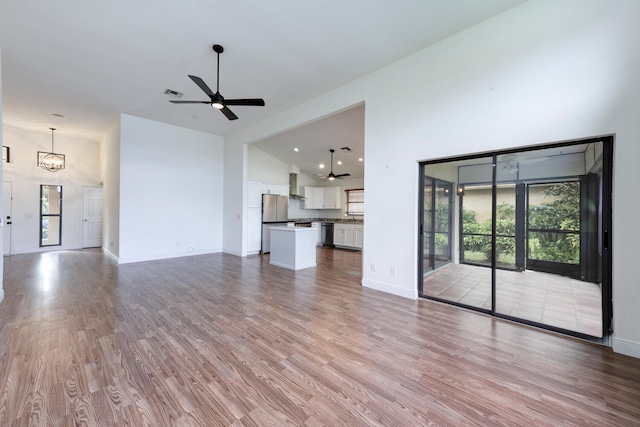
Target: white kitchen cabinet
pixel 254 194
pixel 254 230
pixel 308 197
pixel 314 198
pixel 278 190
pixel 318 198
pixel 332 198
pixel 348 235
pixel 339 234
pixel 318 226
pixel 359 235
pixel 322 198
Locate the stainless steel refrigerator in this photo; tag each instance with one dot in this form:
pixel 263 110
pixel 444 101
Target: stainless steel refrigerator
pixel 275 212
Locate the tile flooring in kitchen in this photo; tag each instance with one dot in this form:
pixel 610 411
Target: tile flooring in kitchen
pixel 544 298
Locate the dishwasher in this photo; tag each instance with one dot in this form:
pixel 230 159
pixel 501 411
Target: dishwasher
pixel 327 234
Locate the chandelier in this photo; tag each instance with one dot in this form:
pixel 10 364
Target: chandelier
pixel 53 162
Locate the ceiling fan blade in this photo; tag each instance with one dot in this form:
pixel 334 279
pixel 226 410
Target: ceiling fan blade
pixel 256 102
pixel 191 102
pixel 227 112
pixel 202 85
pixel 342 175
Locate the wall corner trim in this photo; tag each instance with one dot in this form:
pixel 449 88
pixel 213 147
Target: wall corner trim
pixel 234 253
pixel 110 255
pixel 626 347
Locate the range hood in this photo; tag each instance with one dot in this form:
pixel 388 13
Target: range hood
pixel 293 187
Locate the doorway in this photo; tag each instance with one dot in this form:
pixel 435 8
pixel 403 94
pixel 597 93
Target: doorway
pixel 531 235
pixel 92 217
pixel 437 222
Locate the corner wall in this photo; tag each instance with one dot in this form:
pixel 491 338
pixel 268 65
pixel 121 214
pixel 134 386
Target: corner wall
pixel 110 177
pixel 171 187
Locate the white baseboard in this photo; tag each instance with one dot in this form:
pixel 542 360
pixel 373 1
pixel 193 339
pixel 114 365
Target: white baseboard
pixel 391 289
pixel 155 257
pixel 231 252
pixel 110 255
pixel 626 347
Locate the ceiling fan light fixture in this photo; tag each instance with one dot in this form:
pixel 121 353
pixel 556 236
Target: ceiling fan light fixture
pixel 216 100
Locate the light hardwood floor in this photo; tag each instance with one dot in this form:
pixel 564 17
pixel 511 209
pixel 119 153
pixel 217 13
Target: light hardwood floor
pixel 221 340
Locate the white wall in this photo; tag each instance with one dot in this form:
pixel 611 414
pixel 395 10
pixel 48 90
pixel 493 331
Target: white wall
pixel 170 191
pixel 264 168
pixel 82 169
pixel 542 72
pixel 110 176
pixel 1 173
pixel 235 198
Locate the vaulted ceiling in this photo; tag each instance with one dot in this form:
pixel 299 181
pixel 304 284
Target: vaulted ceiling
pixel 90 61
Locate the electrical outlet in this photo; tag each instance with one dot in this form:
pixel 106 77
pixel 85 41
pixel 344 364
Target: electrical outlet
pixel 392 271
pixel 373 267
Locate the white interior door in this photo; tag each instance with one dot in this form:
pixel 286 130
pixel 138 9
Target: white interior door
pixel 92 217
pixel 6 216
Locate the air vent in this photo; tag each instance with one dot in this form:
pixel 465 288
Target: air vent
pixel 173 93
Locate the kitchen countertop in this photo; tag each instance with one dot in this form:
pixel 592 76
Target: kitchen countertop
pixel 334 220
pixel 291 228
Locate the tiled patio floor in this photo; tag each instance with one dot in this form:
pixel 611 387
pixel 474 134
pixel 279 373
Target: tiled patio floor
pixel 540 297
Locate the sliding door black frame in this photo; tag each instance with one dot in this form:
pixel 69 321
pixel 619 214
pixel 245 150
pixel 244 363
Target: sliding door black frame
pixel 605 234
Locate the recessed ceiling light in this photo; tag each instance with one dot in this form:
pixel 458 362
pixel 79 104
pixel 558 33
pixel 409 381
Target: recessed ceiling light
pixel 321 165
pixel 360 159
pixel 296 149
pixel 339 162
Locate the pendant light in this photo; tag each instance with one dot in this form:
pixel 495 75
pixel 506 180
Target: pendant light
pixel 53 162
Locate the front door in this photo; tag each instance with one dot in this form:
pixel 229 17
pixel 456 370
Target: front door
pixel 92 217
pixel 6 216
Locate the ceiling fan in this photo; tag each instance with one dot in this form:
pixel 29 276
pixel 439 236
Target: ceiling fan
pixel 331 175
pixel 217 100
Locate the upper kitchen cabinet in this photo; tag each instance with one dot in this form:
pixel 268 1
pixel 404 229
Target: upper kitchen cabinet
pixel 332 198
pixel 278 190
pixel 314 198
pixel 254 195
pixel 322 198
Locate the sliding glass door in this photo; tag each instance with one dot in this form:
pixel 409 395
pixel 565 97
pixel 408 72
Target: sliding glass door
pixel 526 237
pixel 437 223
pixel 442 280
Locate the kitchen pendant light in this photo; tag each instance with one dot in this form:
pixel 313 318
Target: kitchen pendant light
pixel 53 162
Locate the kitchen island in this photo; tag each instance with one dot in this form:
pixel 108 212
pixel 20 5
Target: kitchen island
pixel 293 247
